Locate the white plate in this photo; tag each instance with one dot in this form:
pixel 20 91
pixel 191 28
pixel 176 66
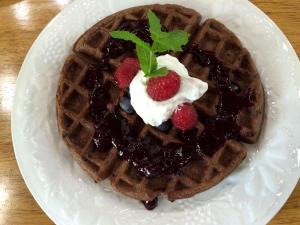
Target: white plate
pixel 253 194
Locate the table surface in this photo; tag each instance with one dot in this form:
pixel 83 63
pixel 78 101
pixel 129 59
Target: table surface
pixel 20 24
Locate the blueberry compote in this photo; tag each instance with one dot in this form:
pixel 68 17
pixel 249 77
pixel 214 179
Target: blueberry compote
pixel 147 154
pixel 150 205
pixel 224 124
pixel 113 48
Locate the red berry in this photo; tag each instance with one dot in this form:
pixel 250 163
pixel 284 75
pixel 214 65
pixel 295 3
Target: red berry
pixel 185 117
pixel 163 88
pixel 126 72
pixel 133 62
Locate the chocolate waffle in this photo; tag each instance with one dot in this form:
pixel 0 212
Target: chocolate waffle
pixel 155 162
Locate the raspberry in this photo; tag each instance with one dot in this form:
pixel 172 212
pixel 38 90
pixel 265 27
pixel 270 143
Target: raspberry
pixel 185 117
pixel 133 62
pixel 163 88
pixel 126 72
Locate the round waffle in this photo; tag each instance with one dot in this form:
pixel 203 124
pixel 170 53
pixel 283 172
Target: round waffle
pixel 210 42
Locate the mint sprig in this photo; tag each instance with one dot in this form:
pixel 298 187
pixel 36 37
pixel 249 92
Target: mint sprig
pixel 165 41
pixel 162 42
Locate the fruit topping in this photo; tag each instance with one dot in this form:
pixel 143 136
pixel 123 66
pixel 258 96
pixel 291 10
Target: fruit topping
pixel 163 88
pixel 185 117
pixel 126 72
pixel 150 205
pixel 165 126
pixel 161 42
pixel 126 105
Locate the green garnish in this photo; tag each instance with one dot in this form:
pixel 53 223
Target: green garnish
pixel 162 42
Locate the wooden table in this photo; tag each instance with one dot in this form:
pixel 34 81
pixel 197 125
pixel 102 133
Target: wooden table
pixel 20 24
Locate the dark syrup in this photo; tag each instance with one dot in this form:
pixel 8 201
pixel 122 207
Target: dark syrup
pixel 114 47
pixel 150 205
pixel 148 155
pixel 223 125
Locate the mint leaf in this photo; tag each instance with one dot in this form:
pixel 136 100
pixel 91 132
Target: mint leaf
pixel 158 73
pixel 170 41
pixel 162 42
pixel 147 59
pixel 145 55
pixel 165 41
pixel 154 24
pixel 127 36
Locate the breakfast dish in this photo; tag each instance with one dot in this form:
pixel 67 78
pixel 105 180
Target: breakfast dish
pixel 109 139
pixel 261 185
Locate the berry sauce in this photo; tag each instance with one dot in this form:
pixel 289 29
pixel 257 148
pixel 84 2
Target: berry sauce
pixel 113 48
pixel 147 154
pixel 223 126
pixel 150 205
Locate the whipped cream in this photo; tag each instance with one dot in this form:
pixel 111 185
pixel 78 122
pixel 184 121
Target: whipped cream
pixel 155 113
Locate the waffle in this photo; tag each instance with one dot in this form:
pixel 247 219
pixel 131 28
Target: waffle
pixel 76 124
